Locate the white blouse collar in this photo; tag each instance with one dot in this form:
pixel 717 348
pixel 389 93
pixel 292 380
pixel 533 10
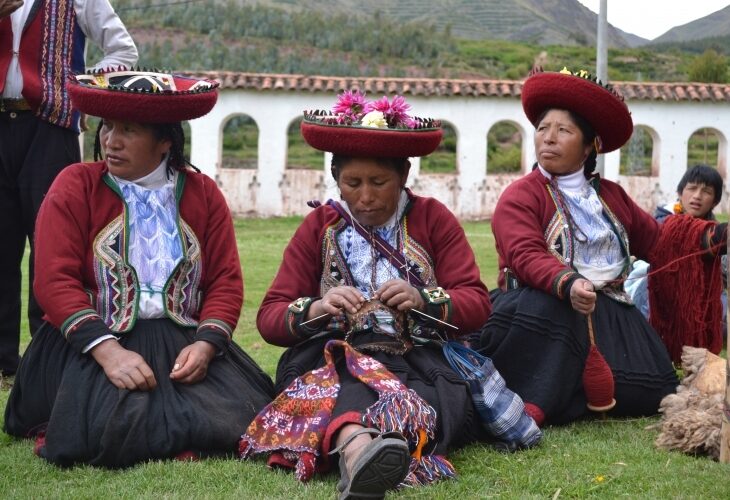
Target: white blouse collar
pixel 154 180
pixel 570 182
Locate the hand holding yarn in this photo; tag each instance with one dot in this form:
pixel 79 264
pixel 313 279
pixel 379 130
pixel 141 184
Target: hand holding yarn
pixel 583 296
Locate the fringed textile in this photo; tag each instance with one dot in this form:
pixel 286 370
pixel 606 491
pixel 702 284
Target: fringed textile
pixel 684 298
pixel 296 421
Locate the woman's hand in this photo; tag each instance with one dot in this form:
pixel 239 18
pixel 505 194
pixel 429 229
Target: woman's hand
pixel 192 363
pixel 583 296
pixel 337 300
pixel 7 7
pixel 400 295
pixel 124 368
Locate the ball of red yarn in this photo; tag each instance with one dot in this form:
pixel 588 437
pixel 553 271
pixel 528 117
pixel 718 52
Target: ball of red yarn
pixel 598 382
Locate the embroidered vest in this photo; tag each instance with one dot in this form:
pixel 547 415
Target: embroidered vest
pixel 51 49
pixel 560 239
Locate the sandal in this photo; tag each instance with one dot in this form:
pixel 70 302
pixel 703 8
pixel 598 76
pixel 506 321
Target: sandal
pixel 381 466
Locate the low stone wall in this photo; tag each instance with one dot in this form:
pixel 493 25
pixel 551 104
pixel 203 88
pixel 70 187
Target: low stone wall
pixel 296 187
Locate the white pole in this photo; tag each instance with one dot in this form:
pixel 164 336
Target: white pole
pixel 602 62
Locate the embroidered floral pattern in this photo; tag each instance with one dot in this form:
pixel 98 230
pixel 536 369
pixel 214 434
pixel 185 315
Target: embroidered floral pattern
pixel 182 298
pixel 561 243
pixel 118 290
pixel 116 295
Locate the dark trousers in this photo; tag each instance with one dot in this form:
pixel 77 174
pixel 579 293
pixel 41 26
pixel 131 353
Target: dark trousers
pixel 32 153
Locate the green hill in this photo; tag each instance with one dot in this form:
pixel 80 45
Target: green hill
pixel 546 22
pixel 347 38
pixel 716 24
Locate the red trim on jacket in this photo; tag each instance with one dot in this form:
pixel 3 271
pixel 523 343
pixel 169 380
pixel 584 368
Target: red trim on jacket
pixel 430 224
pixel 521 219
pixel 80 205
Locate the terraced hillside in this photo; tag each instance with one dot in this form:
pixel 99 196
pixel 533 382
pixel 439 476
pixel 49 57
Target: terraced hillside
pixel 545 22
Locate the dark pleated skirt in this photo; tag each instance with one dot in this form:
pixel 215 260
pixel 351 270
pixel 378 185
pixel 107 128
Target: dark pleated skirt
pixel 424 369
pixel 539 344
pixel 89 420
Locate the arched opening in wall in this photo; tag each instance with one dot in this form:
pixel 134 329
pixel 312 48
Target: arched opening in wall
pixel 443 160
pixel 240 143
pixel 299 154
pixel 89 136
pixel 638 155
pixel 703 147
pixel 504 148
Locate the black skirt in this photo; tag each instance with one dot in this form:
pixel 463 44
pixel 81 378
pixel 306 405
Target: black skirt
pixel 539 344
pixel 423 369
pixel 89 420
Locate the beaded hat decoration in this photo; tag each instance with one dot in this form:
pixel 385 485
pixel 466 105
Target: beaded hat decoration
pixel 359 128
pixel 583 94
pixel 142 96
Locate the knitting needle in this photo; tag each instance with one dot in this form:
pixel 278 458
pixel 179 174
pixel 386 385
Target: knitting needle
pixel 315 318
pixel 412 310
pixel 434 319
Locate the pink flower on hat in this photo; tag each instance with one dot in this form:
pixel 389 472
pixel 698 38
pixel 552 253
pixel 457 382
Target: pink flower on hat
pixel 350 107
pixel 395 111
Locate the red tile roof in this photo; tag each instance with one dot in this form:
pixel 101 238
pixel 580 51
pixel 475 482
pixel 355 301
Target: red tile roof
pixel 632 91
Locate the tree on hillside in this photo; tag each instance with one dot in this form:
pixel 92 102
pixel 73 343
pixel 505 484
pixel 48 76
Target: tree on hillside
pixel 710 67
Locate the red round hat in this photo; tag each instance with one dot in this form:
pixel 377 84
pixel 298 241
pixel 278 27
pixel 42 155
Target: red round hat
pixel 360 128
pixel 142 96
pixel 599 105
pixel 357 141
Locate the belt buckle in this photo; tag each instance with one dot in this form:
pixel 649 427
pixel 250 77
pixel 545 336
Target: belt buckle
pixel 11 105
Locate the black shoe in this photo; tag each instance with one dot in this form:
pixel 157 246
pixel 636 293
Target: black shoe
pixel 382 465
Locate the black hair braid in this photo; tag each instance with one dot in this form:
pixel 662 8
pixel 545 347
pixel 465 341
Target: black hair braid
pixel 176 135
pixel 590 164
pixel 97 142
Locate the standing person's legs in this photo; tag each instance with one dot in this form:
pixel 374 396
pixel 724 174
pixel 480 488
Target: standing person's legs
pixel 52 149
pixel 14 132
pixel 32 152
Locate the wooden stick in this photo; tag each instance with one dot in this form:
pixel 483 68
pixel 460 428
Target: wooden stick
pixel 434 319
pixel 412 310
pixel 725 429
pixel 591 337
pixel 314 319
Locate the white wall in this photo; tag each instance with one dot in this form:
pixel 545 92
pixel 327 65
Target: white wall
pixel 471 193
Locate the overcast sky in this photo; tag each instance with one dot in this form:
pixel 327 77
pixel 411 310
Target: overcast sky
pixel 652 18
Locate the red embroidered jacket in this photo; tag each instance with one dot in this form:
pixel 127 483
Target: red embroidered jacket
pixel 535 243
pixel 85 283
pixel 435 240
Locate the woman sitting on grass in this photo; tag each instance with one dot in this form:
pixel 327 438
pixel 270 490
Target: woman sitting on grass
pixel 139 275
pixel 563 236
pixel 360 281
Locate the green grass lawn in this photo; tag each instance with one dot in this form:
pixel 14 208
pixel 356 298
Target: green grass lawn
pixel 600 458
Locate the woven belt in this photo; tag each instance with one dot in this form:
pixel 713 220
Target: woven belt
pixel 8 105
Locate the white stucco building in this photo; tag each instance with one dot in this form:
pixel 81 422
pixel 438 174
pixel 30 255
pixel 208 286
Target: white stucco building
pixel 670 112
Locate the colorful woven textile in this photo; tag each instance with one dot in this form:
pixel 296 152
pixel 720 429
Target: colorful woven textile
pixel 296 421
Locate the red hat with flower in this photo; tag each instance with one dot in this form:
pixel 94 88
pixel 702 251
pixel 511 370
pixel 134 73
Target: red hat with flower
pixel 584 95
pixel 360 128
pixel 142 96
